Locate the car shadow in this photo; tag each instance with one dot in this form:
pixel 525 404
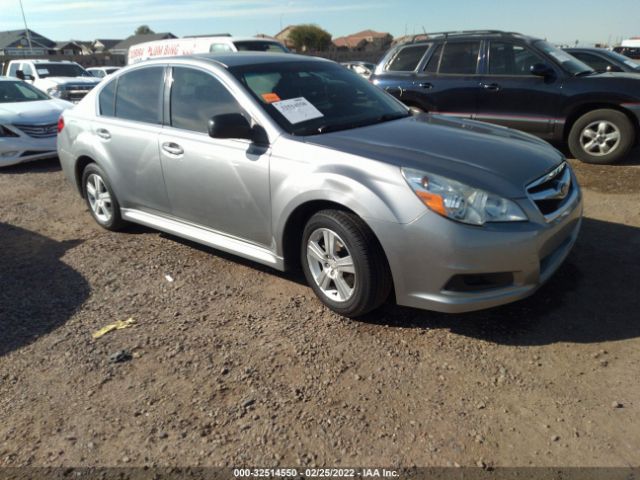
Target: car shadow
pixel 38 292
pixel 594 297
pixel 37 166
pixel 631 159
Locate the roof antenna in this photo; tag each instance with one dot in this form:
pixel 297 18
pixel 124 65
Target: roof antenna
pixel 26 29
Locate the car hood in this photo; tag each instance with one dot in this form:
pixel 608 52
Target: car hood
pixel 40 111
pixel 494 158
pixel 73 80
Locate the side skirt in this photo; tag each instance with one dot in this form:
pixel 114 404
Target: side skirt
pixel 205 236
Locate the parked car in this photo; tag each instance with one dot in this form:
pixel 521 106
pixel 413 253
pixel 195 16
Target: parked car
pixel 364 69
pixel 602 60
pixel 288 160
pixel 28 120
pixel 632 53
pixel 188 46
pixel 101 72
pixel 59 79
pixel 521 82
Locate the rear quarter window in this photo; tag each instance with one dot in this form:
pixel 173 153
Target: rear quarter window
pixel 106 99
pixel 407 58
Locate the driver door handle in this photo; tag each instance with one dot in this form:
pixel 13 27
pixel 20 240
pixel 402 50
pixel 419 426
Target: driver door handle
pixel 172 148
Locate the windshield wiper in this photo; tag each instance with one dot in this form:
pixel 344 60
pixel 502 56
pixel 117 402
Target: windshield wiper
pixel 387 117
pixel 584 73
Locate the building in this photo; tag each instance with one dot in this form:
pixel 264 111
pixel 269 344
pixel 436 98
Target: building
pixel 102 45
pixel 15 42
pixel 122 48
pixel 72 47
pixel 367 40
pixel 283 36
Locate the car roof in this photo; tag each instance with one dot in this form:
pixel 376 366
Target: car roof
pixel 240 59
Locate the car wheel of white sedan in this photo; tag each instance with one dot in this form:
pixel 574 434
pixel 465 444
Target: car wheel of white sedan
pixel 344 263
pixel 100 198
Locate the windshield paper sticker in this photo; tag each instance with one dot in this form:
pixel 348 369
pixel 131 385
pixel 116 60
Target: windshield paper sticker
pixel 297 110
pixel 42 71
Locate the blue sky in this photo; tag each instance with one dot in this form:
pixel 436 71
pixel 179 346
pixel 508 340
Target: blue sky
pixel 561 21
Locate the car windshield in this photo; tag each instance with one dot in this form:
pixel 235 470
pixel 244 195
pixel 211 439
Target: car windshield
pixel 626 60
pixel 17 91
pixel 61 70
pixel 259 46
pixel 567 61
pixel 308 98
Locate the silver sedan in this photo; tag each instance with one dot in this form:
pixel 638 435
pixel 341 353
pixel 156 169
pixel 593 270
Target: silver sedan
pixel 296 162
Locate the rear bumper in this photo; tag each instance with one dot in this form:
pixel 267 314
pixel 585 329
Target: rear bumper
pixel 449 267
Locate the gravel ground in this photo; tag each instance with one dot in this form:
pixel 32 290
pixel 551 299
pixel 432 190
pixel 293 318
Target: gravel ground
pixel 234 364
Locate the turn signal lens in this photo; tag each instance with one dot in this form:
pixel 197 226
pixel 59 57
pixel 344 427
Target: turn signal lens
pixel 60 123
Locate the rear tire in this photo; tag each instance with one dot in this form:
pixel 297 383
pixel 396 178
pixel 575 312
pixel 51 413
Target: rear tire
pixel 344 264
pixel 101 200
pixel 601 137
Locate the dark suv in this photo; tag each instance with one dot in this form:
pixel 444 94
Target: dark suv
pixel 520 82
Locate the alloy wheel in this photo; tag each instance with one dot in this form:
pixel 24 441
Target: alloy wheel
pixel 331 265
pixel 99 198
pixel 600 138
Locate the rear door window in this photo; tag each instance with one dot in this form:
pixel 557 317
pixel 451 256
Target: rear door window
pixel 13 68
pixel 407 58
pixel 139 95
pixel 596 62
pixel 460 58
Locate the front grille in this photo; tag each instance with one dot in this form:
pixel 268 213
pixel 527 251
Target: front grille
pixel 75 93
pixel 39 131
pixel 552 191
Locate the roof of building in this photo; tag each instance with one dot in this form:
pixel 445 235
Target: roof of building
pixel 136 39
pixel 108 43
pixel 12 37
pixel 352 41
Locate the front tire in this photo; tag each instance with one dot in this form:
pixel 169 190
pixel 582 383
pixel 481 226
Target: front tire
pixel 344 264
pixel 601 137
pixel 101 200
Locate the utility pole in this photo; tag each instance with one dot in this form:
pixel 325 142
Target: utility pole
pixel 26 29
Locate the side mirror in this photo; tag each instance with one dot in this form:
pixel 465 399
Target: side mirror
pixel 20 75
pixel 235 125
pixel 542 70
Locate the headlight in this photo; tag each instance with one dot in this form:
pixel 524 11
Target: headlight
pixel 461 202
pixel 54 92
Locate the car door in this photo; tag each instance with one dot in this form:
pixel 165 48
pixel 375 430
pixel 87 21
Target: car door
pixel 448 82
pixel 510 95
pixel 126 130
pixel 221 184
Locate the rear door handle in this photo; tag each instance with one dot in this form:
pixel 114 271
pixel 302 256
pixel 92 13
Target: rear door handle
pixel 426 85
pixel 494 87
pixel 172 148
pixel 103 133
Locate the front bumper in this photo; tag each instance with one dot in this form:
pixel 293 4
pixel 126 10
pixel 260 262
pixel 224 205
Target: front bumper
pixel 15 150
pixel 432 259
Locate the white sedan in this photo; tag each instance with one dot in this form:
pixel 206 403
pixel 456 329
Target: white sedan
pixel 28 122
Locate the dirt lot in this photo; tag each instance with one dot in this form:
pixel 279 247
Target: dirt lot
pixel 234 364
